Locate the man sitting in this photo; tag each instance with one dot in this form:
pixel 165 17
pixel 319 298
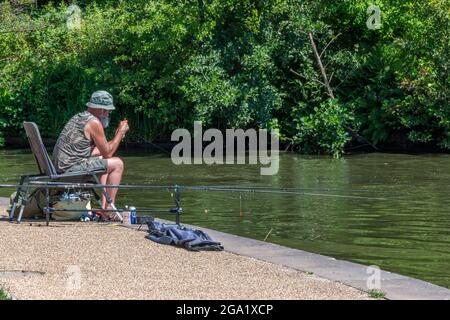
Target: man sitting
pixel 82 144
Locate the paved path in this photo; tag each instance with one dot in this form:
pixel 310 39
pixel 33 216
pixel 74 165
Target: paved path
pixel 105 261
pixel 248 253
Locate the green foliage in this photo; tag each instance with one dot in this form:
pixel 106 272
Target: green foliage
pixel 401 86
pixel 324 129
pixel 211 91
pixel 232 63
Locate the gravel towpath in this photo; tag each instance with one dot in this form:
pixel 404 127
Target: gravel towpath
pixel 75 260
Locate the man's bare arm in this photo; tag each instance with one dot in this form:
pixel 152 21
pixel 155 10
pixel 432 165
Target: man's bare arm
pixel 95 131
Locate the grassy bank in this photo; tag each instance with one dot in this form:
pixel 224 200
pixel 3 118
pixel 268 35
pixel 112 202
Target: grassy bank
pixel 3 295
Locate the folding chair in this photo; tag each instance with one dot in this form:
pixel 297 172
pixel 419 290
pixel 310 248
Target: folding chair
pixel 48 172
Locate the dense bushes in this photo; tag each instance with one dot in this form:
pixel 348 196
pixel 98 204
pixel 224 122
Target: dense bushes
pixel 232 63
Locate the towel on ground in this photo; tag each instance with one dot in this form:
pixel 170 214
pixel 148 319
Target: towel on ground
pixel 194 240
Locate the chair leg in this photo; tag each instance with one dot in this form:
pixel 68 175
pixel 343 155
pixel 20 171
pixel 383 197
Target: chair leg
pixel 47 208
pixel 97 197
pixel 16 198
pixel 24 202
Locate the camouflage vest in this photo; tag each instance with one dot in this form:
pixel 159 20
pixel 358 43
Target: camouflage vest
pixel 72 146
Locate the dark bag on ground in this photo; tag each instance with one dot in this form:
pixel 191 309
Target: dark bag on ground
pixel 194 240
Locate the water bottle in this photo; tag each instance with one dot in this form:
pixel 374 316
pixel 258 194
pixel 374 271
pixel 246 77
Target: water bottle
pixel 132 215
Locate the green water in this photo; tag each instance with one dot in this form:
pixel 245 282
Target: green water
pixel 407 231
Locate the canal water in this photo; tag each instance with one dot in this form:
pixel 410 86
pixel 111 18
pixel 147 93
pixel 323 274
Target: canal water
pixel 389 210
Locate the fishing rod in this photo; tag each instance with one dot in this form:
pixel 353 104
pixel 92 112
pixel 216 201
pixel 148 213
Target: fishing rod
pixel 194 188
pixel 172 210
pixel 176 189
pixel 248 190
pixel 56 185
pixel 71 185
pixel 147 186
pixel 297 189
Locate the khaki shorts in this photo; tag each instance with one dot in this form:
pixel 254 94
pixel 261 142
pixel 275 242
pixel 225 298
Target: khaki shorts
pixel 90 164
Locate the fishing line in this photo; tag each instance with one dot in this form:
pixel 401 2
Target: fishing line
pixel 154 145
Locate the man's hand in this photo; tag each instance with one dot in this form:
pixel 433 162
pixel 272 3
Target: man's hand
pixel 123 127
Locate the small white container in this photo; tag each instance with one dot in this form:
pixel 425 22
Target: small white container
pixel 126 216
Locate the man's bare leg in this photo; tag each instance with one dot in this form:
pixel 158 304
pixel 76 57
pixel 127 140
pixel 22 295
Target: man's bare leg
pixel 103 179
pixel 113 176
